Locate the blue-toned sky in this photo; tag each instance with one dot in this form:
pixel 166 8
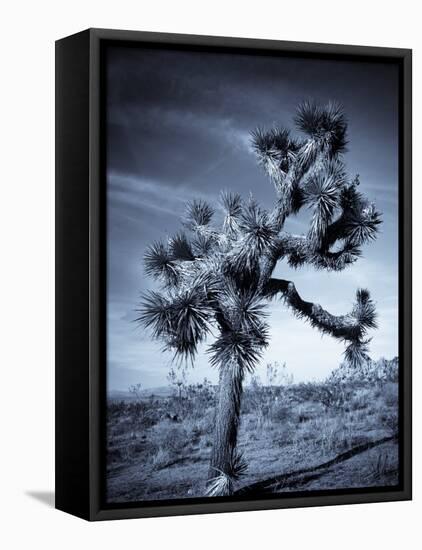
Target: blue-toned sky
pixel 178 127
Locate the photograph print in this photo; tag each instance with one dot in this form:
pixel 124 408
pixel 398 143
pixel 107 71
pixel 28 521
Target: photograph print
pixel 252 274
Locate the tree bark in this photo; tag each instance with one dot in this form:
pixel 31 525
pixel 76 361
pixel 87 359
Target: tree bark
pixel 226 421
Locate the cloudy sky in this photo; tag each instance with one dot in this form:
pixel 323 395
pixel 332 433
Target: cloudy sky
pixel 178 127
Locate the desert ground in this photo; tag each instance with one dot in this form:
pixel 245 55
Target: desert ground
pixel 294 437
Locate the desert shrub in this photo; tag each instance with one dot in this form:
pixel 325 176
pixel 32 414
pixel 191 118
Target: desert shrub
pixel 333 435
pixel 388 370
pixel 196 428
pixel 143 414
pixel 252 395
pixel 189 400
pixel 121 427
pixel 202 394
pixel 206 423
pixel 161 459
pixel 390 421
pixel 330 395
pixel 370 371
pixel 391 395
pixel 286 435
pixel 263 401
pixel 136 391
pixel 170 437
pixel 115 408
pixel 134 415
pixel 281 413
pixel 359 400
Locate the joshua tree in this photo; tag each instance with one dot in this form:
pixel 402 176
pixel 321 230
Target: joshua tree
pixel 217 278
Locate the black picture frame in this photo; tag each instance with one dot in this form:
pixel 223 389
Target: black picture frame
pixel 81 284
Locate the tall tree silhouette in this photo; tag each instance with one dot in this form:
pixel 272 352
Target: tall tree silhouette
pixel 217 279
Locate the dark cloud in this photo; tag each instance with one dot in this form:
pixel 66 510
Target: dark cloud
pixel 167 108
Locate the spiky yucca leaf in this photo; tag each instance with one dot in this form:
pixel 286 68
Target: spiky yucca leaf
pixel 155 313
pixel 159 263
pixel 336 170
pixel 203 245
pixel 243 307
pixel 335 261
pixel 335 125
pixel 308 154
pixel 257 228
pixel 275 150
pixel 232 206
pixel 322 191
pixel 308 117
pixel 180 248
pixel 329 173
pixel 240 262
pixel 297 258
pixel 278 154
pixel 181 320
pixel 238 465
pixel 363 296
pixel 268 157
pixel 241 348
pixel 198 213
pixel 206 282
pixel 322 195
pixel 362 226
pixel 190 318
pixel 364 313
pixel 359 221
pixel 364 310
pixel 231 203
pixel 257 234
pixel 327 126
pixel 220 485
pixel 356 353
pixel 351 198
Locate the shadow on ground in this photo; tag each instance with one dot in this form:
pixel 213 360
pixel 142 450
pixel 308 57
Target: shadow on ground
pixel 45 497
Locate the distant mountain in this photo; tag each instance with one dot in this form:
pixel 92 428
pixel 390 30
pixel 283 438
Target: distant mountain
pixel 121 395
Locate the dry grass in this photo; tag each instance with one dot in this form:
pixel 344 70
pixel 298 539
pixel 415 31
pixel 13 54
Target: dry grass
pixel 155 452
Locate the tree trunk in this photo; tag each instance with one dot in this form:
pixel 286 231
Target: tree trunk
pixel 226 421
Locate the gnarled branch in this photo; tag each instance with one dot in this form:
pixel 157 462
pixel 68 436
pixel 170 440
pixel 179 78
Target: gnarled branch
pixel 342 326
pixel 299 250
pixel 350 328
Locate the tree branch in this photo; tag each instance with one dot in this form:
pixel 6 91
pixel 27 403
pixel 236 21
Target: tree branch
pixel 350 327
pixel 300 250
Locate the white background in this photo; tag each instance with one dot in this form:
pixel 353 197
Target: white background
pixel 27 273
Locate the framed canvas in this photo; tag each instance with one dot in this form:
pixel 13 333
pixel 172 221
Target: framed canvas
pixel 221 204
